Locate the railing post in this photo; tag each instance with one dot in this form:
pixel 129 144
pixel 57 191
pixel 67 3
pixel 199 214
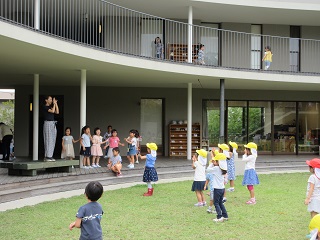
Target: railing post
pixel 190 22
pixel 37 14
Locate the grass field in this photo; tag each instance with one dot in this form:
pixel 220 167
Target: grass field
pixel 280 213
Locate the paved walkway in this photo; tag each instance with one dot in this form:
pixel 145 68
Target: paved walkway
pixel 50 186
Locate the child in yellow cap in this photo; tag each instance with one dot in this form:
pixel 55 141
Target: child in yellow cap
pixel 150 174
pixel 314 228
pixel 231 167
pixel 199 162
pixel 250 177
pixel 218 170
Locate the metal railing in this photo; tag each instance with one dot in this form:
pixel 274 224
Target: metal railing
pixel 114 28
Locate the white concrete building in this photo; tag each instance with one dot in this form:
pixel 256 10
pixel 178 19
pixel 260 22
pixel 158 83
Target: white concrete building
pixel 98 59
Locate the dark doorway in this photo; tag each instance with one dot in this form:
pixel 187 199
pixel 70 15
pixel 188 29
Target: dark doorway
pixel 60 126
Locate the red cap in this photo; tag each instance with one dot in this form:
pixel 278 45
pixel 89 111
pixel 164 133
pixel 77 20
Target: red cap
pixel 315 163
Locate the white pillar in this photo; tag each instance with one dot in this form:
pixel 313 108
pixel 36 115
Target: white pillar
pixel 83 98
pixel 35 110
pixel 83 104
pixel 222 108
pixel 37 14
pixel 189 125
pixel 190 22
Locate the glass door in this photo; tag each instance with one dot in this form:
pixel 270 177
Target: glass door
pixel 151 123
pixel 285 128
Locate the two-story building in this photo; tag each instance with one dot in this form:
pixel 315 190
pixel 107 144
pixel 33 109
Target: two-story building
pixel 100 60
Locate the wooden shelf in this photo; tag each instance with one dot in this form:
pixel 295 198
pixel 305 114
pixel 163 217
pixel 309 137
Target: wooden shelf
pixel 179 52
pixel 178 139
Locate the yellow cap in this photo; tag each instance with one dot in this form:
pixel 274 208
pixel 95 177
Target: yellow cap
pixel 234 145
pixel 152 146
pixel 216 152
pixel 223 146
pixel 219 156
pixel 315 222
pixel 202 152
pixel 251 145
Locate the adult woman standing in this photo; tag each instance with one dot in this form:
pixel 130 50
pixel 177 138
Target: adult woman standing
pixel 49 127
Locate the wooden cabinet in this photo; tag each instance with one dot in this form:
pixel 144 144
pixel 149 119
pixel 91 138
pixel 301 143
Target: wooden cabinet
pixel 178 139
pixel 179 52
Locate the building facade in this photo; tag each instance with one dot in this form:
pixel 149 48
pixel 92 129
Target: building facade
pixel 100 61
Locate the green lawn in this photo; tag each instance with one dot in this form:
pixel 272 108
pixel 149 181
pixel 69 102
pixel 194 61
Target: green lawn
pixel 279 214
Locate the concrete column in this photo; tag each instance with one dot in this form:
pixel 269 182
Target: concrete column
pixel 190 22
pixel 36 14
pixel 189 125
pixel 83 104
pixel 222 106
pixel 83 98
pixel 35 110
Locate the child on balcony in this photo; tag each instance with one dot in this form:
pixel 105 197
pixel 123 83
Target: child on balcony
pixel 267 58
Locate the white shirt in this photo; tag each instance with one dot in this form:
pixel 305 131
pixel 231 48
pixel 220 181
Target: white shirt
pixel 200 172
pixel 250 161
pixel 218 178
pixel 316 191
pixel 134 141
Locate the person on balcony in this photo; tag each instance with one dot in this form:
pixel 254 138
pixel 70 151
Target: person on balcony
pixel 267 58
pixel 201 55
pixel 158 48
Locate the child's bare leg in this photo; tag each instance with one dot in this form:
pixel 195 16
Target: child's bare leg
pixel 313 214
pixel 93 160
pixel 252 193
pixel 84 161
pixel 198 194
pixel 202 196
pixel 129 158
pixel 232 183
pixel 88 161
pixel 97 160
pixel 132 159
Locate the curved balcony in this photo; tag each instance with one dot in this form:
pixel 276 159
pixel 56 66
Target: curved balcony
pixel 109 27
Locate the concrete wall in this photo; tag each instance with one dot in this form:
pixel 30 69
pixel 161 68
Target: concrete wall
pixel 310 50
pixel 120 107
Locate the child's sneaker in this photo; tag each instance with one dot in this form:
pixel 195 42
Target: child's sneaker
pixel 218 219
pixel 88 167
pixel 204 203
pixel 209 210
pixel 119 174
pixel 224 200
pixel 252 201
pixel 131 166
pixel 97 165
pixel 230 189
pixel 137 161
pixel 93 165
pixel 199 204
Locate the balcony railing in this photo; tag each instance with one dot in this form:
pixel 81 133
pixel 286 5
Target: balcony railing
pixel 106 26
